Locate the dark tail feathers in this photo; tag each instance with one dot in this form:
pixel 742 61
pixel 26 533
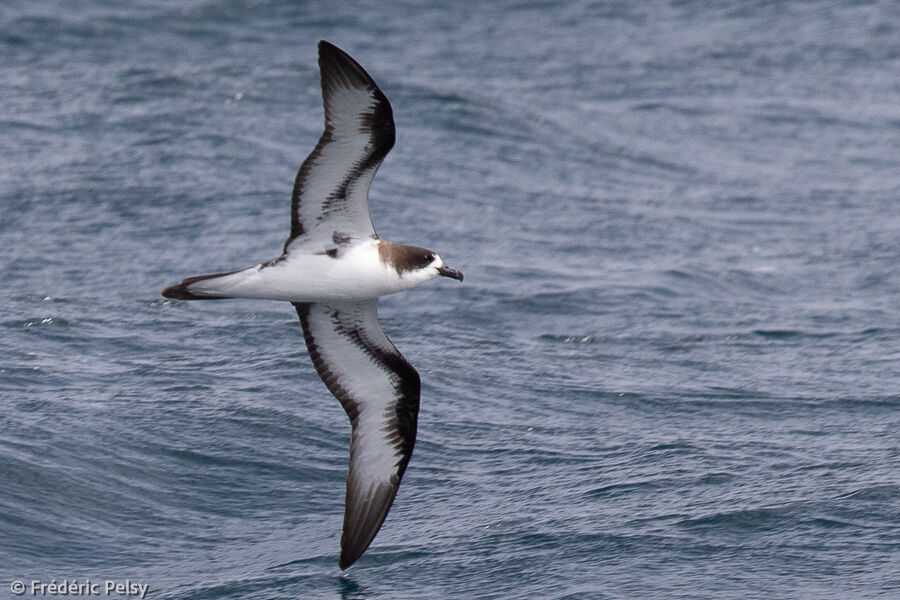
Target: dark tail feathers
pixel 181 291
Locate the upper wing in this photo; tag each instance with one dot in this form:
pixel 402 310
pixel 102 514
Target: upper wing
pixel 379 390
pixel 333 182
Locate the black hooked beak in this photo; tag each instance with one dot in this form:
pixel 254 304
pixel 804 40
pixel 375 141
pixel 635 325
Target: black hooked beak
pixel 448 272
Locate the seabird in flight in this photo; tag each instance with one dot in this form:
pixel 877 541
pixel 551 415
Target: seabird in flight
pixel 333 269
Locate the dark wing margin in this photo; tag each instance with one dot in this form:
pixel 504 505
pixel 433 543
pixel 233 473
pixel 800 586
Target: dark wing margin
pixel 379 390
pixel 333 182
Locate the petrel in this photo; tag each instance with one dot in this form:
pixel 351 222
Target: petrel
pixel 333 269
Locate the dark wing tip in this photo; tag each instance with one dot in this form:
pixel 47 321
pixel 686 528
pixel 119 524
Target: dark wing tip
pixel 339 70
pixel 333 61
pixel 362 522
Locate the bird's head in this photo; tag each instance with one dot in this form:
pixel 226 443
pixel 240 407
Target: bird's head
pixel 417 264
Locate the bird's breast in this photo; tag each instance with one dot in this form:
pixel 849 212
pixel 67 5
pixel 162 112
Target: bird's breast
pixel 356 273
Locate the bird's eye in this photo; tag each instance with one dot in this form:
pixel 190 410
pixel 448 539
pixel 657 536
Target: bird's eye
pixel 428 257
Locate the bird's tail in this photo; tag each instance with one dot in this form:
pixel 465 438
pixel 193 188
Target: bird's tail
pixel 186 290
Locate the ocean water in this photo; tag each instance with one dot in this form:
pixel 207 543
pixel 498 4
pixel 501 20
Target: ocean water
pixel 672 371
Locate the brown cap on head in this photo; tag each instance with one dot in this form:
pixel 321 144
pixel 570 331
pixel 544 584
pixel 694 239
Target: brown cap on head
pixel 412 258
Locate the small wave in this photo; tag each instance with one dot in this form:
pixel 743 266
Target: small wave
pixel 750 519
pixel 568 339
pixel 879 493
pixel 777 334
pixel 620 489
pixel 37 322
pixel 787 334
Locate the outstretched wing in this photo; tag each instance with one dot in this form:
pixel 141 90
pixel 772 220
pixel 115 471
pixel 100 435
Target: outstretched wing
pixel 379 390
pixel 332 185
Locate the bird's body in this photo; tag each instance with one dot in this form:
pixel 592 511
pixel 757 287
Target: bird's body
pixel 333 269
pixel 353 272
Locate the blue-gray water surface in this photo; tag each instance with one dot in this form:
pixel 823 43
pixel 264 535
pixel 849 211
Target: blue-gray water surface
pixel 672 371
